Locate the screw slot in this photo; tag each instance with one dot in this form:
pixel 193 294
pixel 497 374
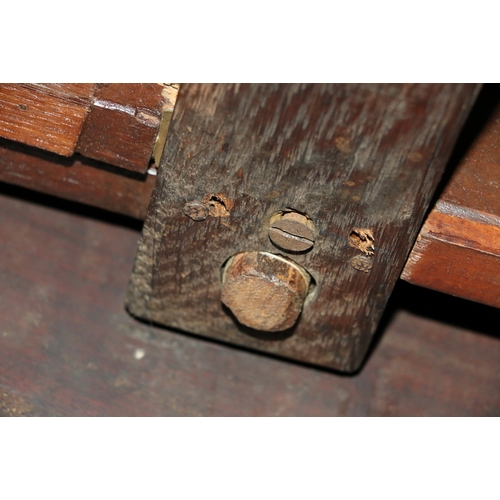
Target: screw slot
pixel 292 232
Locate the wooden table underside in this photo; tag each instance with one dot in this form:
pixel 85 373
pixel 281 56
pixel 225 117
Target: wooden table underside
pixel 456 251
pixel 68 348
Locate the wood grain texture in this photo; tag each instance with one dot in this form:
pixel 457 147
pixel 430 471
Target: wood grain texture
pixel 458 249
pixel 68 347
pixel 76 178
pixel 123 124
pixel 115 123
pixel 48 116
pixel 364 157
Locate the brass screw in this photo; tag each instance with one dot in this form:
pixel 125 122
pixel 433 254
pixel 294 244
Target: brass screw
pixel 264 291
pixel 292 232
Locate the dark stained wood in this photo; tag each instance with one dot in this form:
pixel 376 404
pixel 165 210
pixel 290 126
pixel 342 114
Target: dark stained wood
pixel 76 178
pixel 48 116
pixel 458 249
pixel 123 123
pixel 360 161
pixel 68 347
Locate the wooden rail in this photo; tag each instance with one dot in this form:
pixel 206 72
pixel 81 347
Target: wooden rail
pixel 114 123
pixel 458 249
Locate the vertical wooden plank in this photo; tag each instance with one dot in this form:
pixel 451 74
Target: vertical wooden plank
pixel 360 161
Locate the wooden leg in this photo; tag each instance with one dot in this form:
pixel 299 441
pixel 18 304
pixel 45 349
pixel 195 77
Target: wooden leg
pixel 359 164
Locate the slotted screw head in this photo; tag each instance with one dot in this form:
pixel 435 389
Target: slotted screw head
pixel 292 232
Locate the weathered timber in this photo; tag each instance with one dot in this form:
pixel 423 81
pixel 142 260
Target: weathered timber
pixel 360 161
pixel 48 116
pixel 458 248
pixel 123 123
pixel 76 178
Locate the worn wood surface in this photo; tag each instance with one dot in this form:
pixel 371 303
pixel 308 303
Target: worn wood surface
pixel 458 249
pixel 122 125
pixel 48 116
pixel 76 178
pixel 68 347
pixel 115 123
pixel 361 161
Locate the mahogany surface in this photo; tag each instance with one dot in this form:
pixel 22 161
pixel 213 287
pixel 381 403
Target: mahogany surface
pixel 458 248
pixel 122 124
pixel 116 123
pixel 48 116
pixel 76 178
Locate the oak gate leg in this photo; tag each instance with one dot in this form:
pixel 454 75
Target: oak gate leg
pixel 283 214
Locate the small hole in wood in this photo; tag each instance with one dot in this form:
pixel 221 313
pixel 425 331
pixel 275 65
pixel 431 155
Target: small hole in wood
pixel 219 205
pixel 363 240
